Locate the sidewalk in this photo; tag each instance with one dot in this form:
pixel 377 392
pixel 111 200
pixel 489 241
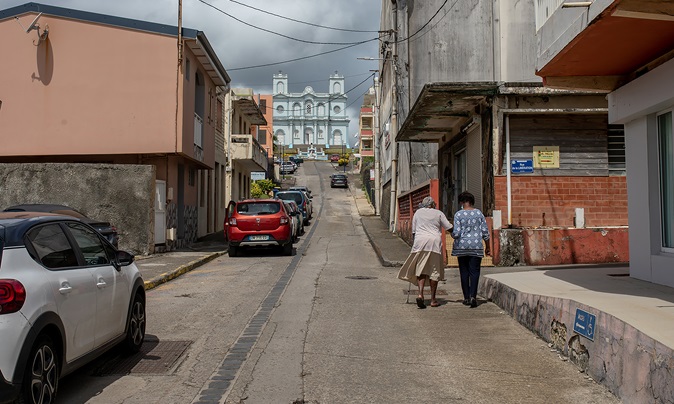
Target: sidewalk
pixel 632 351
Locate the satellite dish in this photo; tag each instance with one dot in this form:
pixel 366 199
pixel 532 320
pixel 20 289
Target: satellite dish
pixel 33 25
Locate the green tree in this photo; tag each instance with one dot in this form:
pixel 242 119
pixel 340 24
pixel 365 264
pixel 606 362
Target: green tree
pixel 261 188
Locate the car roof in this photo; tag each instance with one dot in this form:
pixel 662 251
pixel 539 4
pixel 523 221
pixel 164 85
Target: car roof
pixel 38 207
pixel 14 225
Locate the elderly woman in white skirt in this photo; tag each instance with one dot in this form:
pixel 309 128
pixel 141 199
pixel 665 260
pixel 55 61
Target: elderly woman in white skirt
pixel 426 259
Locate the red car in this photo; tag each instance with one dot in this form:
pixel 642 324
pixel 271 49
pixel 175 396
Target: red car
pixel 254 223
pixel 334 158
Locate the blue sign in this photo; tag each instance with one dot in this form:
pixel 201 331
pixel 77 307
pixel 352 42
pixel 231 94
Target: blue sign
pixel 584 324
pixel 521 166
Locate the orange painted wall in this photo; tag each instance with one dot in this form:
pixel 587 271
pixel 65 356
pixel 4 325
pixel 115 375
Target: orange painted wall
pixel 88 89
pixel 551 201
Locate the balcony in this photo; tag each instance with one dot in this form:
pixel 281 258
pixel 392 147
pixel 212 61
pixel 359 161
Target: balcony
pixel 247 152
pixel 604 45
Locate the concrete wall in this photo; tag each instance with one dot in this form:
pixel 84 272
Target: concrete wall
pixel 560 246
pixel 120 194
pixel 632 365
pixel 635 105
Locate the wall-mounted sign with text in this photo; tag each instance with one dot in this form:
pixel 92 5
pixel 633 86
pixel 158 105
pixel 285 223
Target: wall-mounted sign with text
pixel 546 156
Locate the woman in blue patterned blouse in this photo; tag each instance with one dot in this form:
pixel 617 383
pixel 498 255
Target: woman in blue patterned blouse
pixel 470 228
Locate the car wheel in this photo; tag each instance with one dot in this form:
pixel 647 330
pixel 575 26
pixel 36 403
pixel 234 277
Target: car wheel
pixel 288 249
pixel 232 251
pixel 135 330
pixel 42 374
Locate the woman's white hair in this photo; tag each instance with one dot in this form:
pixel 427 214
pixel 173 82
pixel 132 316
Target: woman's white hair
pixel 428 202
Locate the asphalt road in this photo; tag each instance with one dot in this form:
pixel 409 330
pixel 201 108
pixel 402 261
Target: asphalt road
pixel 329 325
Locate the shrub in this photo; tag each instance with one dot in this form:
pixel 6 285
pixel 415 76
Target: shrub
pixel 261 188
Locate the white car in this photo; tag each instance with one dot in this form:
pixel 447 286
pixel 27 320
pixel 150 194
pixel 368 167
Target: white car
pixel 66 296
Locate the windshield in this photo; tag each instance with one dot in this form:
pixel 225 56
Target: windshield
pixel 291 196
pixel 258 208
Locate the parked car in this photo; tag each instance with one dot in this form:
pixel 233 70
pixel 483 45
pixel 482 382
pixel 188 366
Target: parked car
pixel 297 219
pixel 67 296
pixel 296 159
pixel 300 198
pixel 334 158
pixel 105 228
pixel 339 180
pixel 255 223
pixel 288 167
pixel 300 188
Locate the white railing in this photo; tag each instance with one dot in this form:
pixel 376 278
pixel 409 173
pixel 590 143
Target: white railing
pixel 198 131
pixel 544 9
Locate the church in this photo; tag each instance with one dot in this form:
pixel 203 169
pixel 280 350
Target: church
pixel 310 122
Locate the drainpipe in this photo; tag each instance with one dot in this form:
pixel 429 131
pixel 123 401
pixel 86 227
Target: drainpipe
pixel 508 174
pixel 394 126
pixel 377 157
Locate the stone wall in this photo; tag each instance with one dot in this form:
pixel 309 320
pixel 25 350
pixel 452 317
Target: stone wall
pixel 120 194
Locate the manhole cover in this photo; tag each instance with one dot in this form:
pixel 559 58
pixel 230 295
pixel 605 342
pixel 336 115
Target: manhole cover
pixel 155 357
pixel 415 291
pixel 361 277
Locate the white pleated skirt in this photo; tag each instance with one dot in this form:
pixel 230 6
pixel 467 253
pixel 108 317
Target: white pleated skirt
pixel 422 263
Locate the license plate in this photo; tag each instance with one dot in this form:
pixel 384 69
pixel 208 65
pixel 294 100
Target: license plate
pixel 259 238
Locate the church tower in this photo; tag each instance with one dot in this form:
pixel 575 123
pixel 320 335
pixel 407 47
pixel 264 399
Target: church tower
pixel 280 83
pixel 336 84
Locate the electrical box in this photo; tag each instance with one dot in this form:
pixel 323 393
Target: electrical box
pixel 171 234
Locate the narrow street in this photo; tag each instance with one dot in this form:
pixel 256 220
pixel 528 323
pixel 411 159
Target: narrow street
pixel 329 325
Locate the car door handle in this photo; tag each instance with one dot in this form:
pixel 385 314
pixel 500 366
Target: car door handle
pixel 101 283
pixel 65 288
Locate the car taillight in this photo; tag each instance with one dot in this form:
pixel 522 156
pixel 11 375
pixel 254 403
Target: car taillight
pixel 284 220
pixel 12 296
pixel 232 221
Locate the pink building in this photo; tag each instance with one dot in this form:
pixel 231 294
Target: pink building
pixel 90 88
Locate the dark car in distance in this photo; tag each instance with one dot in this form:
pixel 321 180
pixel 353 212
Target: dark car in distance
pixel 105 228
pixel 339 180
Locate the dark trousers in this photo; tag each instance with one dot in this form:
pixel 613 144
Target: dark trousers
pixel 469 269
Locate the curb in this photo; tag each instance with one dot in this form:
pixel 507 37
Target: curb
pixel 183 269
pixel 383 261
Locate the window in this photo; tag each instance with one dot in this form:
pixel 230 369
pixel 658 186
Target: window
pixel 280 109
pixel 337 109
pixel 219 115
pixel 187 69
pixel 263 106
pixel 616 150
pixel 93 249
pixel 666 146
pixel 308 109
pixel 52 247
pixel 262 136
pixel 190 177
pixel 296 109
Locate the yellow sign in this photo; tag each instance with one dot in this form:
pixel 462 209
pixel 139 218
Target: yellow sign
pixel 546 156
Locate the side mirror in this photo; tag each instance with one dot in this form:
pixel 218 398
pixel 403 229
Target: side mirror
pixel 124 258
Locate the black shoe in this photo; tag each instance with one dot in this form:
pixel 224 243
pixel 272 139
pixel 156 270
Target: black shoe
pixel 420 303
pixel 473 302
pixel 466 302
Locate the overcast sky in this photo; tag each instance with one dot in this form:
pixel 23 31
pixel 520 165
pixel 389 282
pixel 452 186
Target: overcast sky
pixel 238 45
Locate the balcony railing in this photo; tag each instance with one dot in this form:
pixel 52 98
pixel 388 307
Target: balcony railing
pixel 544 9
pixel 249 152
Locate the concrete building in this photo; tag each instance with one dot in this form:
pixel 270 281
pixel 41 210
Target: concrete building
pixel 461 104
pixel 366 125
pixel 265 133
pixel 246 155
pixel 309 122
pixel 625 47
pixel 90 88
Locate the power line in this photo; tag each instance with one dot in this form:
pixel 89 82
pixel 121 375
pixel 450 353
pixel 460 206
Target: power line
pixel 436 24
pixel 299 21
pixel 320 81
pixel 301 58
pixel 279 34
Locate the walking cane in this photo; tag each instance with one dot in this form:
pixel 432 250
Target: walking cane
pixel 409 289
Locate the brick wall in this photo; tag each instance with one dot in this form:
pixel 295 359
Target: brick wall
pixel 551 201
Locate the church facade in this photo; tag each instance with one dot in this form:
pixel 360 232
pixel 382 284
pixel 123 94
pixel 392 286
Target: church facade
pixel 310 121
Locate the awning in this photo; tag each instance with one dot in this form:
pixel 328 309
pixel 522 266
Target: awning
pixel 441 107
pixel 244 102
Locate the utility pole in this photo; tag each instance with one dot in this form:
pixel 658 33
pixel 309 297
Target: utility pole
pixel 377 181
pixel 394 124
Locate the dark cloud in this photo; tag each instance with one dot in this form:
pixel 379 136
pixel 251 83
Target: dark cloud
pixel 239 45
